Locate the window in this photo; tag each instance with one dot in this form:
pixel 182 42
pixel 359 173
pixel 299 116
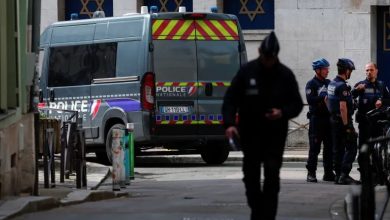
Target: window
pixel 69 66
pixel 103 60
pixel 75 65
pixel 252 14
pixel 85 8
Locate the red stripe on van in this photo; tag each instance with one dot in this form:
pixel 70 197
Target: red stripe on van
pixel 202 32
pixel 173 32
pixel 162 27
pixel 214 29
pixel 188 32
pixel 228 29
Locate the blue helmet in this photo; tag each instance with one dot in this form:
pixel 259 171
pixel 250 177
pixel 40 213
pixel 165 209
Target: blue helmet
pixel 321 63
pixel 345 63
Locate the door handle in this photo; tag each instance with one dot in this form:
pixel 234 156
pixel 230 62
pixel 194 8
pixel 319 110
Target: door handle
pixel 40 95
pixel 51 95
pixel 209 89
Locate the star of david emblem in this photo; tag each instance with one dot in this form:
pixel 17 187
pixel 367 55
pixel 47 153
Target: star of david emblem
pixel 85 9
pixel 164 5
pixel 252 14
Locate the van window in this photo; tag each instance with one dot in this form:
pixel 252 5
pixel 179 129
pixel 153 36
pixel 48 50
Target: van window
pixel 221 58
pixel 69 66
pixel 74 65
pixel 103 60
pixel 175 60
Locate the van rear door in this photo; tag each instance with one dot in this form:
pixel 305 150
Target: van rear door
pixel 195 59
pixel 175 66
pixel 218 57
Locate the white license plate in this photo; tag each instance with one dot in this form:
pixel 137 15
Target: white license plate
pixel 175 109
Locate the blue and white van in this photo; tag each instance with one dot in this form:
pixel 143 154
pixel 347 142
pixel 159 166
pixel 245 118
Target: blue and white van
pixel 164 72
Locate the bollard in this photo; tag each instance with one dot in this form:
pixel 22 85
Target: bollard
pixel 130 128
pixel 126 152
pixel 48 158
pixel 367 198
pixel 118 169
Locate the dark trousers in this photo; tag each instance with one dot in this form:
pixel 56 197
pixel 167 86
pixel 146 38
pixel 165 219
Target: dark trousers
pixel 344 150
pixel 364 132
pixel 320 132
pixel 263 201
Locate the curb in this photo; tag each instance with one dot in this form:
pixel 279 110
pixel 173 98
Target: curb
pixel 30 204
pixel 27 204
pixel 198 159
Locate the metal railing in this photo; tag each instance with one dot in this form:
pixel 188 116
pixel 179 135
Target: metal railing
pixel 72 150
pixel 365 208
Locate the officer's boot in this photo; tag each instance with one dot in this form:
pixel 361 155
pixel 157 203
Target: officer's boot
pixel 329 176
pixel 311 177
pixel 346 179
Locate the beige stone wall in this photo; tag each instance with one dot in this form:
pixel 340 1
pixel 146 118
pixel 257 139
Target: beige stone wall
pixel 17 156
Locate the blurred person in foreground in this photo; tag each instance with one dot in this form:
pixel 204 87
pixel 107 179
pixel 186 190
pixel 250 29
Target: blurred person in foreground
pixel 264 95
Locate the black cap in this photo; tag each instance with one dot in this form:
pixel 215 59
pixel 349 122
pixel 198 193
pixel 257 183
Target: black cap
pixel 270 45
pixel 345 63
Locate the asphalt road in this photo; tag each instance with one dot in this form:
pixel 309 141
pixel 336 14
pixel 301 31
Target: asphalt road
pixel 194 191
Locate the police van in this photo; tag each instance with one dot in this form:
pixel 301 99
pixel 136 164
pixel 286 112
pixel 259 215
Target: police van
pixel 164 72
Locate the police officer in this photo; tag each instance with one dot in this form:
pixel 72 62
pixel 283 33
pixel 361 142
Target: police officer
pixel 319 128
pixel 344 137
pixel 370 93
pixel 264 93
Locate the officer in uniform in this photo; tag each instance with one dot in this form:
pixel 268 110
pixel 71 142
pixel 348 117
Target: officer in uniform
pixel 264 93
pixel 370 93
pixel 319 128
pixel 344 136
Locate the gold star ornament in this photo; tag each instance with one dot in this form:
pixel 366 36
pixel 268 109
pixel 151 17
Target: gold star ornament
pixel 85 10
pixel 252 14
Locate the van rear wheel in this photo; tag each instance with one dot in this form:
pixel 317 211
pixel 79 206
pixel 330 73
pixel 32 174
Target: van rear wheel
pixel 215 153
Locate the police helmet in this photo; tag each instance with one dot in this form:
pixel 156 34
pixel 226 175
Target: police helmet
pixel 321 63
pixel 270 45
pixel 345 63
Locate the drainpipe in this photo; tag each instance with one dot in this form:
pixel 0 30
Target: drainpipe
pixel 34 20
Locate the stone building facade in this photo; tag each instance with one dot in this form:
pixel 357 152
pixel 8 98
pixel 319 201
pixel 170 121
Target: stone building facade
pixel 307 29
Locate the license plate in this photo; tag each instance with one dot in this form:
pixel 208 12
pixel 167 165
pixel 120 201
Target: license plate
pixel 175 109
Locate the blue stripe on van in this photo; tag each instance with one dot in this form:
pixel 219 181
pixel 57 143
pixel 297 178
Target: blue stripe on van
pixel 128 105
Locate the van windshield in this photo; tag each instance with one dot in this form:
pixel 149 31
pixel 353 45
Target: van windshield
pixel 189 60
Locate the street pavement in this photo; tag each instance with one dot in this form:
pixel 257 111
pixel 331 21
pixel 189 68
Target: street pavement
pixel 64 194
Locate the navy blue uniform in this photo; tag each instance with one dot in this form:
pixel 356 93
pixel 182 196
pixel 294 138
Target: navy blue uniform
pixel 253 91
pixel 344 148
pixel 319 127
pixel 366 102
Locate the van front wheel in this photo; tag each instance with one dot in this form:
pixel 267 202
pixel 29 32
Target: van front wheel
pixel 215 154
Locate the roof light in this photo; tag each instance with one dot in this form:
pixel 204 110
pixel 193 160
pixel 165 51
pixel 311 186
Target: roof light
pixel 99 14
pixel 182 9
pixel 214 9
pixel 144 9
pixel 153 9
pixel 74 16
